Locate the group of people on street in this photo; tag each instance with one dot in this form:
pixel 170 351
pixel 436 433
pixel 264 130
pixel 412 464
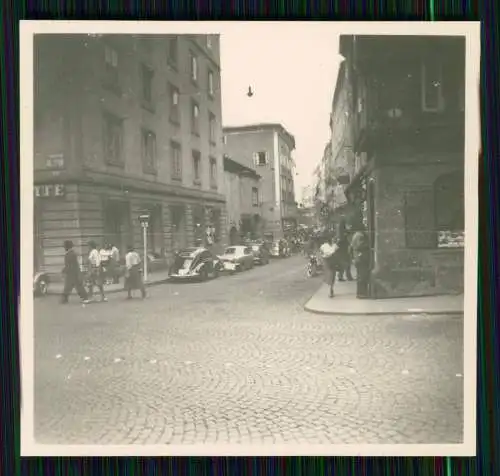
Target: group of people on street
pixel 339 251
pixel 103 267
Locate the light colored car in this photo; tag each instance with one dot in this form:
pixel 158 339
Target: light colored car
pixel 275 249
pixel 260 252
pixel 237 258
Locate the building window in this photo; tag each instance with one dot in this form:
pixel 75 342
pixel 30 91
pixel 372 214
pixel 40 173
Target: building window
pixel 194 67
pixel 260 158
pixel 147 85
pixel 449 210
pixel 175 149
pixel 113 136
pixel 195 118
pixel 196 167
pixel 255 197
pixel 209 41
pixel 419 220
pixel 148 151
pixel 174 104
pixel 211 90
pixel 213 128
pixel 432 84
pixel 213 172
pixel 111 62
pixel 172 53
pixel 224 139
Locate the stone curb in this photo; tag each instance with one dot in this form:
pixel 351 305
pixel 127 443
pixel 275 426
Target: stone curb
pixel 314 310
pixel 380 313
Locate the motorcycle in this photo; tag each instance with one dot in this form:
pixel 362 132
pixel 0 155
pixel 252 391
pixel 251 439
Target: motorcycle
pixel 314 266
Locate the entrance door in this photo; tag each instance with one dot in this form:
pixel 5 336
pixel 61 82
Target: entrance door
pixel 117 228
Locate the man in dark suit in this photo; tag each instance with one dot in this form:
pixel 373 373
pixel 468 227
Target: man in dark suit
pixel 72 275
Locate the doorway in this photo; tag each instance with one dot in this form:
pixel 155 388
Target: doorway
pixel 117 228
pixel 178 218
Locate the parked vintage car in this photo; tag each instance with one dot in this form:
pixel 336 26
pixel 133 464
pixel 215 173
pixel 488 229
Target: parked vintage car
pixel 260 252
pixel 237 258
pixel 195 263
pixel 41 283
pixel 275 249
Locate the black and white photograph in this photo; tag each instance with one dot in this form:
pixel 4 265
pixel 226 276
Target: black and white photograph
pixel 249 238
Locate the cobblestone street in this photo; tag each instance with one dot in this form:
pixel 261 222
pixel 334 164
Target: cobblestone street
pixel 238 360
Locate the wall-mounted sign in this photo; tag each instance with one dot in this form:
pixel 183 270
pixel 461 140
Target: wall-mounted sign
pixel 144 217
pixel 50 190
pixel 55 161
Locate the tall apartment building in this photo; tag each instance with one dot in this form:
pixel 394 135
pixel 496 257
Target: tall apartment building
pixel 406 175
pixel 267 148
pixel 125 124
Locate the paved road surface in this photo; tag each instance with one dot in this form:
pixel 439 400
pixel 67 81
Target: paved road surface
pixel 238 360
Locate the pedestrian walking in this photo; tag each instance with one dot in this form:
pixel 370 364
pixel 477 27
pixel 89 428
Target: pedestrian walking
pixel 332 260
pixel 72 275
pixel 133 275
pixel 361 257
pixel 105 254
pixel 115 263
pixel 96 277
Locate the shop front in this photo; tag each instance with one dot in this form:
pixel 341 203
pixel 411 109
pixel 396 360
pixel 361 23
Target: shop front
pixel 415 222
pixel 87 212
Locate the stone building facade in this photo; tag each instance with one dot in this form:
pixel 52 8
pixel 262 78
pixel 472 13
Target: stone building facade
pixel 408 139
pixel 267 148
pixel 125 124
pixel 243 201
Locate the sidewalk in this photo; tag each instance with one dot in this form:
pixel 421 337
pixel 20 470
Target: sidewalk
pixel 346 303
pixel 158 277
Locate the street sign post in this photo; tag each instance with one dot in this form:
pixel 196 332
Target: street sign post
pixel 144 220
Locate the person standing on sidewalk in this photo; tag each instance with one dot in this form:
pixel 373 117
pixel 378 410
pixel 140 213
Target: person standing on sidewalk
pixel 72 275
pixel 133 275
pixel 105 254
pixel 96 277
pixel 115 263
pixel 361 256
pixel 344 257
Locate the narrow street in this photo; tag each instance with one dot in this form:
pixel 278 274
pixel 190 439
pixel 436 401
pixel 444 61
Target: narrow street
pixel 238 360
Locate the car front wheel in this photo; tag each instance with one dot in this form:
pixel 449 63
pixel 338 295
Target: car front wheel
pixel 203 275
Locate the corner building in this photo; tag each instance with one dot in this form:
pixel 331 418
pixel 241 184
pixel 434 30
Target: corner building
pixel 405 100
pixel 125 124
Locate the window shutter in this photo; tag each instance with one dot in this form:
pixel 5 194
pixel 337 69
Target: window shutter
pixel 256 158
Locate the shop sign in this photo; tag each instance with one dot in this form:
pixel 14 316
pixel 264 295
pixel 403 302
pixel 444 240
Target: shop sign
pixel 144 218
pixel 49 191
pixel 55 161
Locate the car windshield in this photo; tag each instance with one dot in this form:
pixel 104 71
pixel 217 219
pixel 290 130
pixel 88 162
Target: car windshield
pixel 230 251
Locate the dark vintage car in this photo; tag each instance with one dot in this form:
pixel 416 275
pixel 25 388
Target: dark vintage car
pixel 260 252
pixel 195 263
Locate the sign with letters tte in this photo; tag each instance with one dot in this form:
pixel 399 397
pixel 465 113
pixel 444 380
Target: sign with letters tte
pixel 49 191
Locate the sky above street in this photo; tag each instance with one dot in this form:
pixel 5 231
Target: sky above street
pixel 292 69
